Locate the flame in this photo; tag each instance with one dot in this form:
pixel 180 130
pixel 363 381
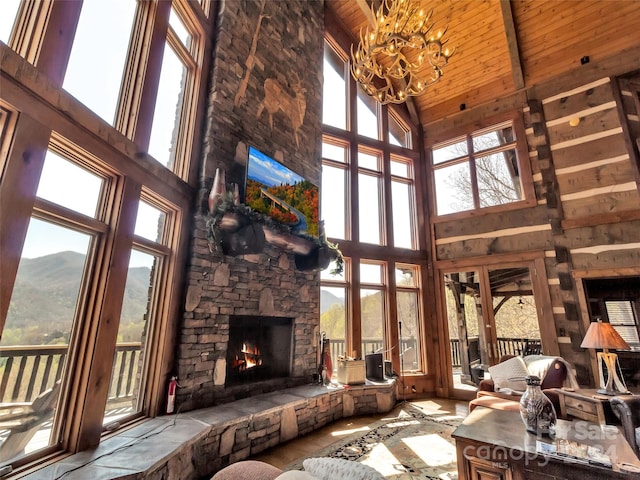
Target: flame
pixel 251 356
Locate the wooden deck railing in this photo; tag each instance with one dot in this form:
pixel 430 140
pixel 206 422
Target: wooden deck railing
pixel 27 371
pixel 369 345
pixel 506 346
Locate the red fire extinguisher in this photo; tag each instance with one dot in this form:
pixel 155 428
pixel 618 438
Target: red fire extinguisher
pixel 171 394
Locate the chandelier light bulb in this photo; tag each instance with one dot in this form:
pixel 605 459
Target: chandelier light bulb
pixel 381 61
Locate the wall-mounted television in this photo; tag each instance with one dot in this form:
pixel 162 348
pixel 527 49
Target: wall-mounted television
pixel 275 190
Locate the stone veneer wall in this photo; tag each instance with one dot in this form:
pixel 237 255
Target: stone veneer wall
pixel 255 41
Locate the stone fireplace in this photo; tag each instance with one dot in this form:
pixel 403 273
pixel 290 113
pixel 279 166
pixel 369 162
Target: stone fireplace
pixel 257 43
pixel 259 349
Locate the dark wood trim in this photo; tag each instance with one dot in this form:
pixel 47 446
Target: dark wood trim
pixel 54 49
pixel 628 141
pixel 20 180
pixel 491 260
pixel 118 250
pixel 601 219
pixel 544 305
pixel 149 69
pixel 512 44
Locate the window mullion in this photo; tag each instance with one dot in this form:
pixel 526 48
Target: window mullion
pixel 134 116
pixel 116 255
pixel 29 139
pixel 44 35
pixel 387 234
pixel 473 173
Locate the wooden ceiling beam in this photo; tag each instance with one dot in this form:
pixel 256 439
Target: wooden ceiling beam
pixel 366 9
pixel 512 44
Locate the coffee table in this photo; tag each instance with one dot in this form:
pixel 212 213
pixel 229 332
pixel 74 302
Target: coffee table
pixel 494 444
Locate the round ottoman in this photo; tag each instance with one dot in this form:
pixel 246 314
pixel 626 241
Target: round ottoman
pixel 248 470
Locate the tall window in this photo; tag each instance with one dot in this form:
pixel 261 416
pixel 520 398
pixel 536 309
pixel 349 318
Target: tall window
pixel 372 307
pixel 368 204
pixel 44 320
pixel 478 170
pixel 334 305
pixel 90 227
pixel 99 54
pixel 179 64
pixel 409 326
pixel 370 197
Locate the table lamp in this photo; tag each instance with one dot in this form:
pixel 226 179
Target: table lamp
pixel 603 336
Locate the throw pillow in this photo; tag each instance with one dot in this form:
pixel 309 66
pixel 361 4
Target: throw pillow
pixel 296 475
pixel 327 468
pixel 509 375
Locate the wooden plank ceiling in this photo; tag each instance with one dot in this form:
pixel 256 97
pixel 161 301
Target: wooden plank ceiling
pixel 503 46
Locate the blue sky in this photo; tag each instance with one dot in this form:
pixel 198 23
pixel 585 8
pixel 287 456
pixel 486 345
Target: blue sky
pixel 267 171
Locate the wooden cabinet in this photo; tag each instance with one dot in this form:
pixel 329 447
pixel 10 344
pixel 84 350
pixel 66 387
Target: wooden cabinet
pixel 584 404
pixel 477 468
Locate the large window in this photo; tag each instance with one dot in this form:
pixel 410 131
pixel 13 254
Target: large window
pixel 99 54
pixel 478 170
pixel 90 226
pixel 368 204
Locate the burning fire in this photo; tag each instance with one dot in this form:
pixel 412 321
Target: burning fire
pixel 249 357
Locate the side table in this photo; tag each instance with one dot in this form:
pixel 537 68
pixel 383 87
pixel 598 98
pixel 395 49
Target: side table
pixel 585 404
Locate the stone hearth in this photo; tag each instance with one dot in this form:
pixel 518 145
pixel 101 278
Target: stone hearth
pixel 196 444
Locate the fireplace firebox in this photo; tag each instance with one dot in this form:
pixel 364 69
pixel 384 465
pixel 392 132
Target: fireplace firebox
pixel 259 348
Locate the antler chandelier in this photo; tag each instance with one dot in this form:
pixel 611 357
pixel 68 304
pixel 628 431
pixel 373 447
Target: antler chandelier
pixel 380 63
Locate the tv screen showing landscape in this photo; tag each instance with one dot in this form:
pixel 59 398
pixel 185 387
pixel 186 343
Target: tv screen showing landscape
pixel 277 191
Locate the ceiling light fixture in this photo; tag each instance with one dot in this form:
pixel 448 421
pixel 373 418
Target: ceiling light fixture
pixel 388 60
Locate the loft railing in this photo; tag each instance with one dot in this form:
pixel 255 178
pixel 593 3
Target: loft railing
pixel 27 371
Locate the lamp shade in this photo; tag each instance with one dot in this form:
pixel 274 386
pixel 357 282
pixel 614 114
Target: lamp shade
pixel 603 335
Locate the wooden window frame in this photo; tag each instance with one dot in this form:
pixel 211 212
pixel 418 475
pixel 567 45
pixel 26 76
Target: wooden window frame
pixel 417 289
pixel 32 104
pixel 385 253
pixel 536 263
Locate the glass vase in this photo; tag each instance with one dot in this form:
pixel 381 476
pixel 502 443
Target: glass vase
pixel 536 410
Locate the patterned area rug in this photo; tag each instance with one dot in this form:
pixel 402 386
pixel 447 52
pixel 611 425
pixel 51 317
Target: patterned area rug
pixel 411 446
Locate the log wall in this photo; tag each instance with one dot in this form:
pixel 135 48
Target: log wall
pixel 586 216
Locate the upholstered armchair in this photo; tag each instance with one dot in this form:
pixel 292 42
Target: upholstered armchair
pixel 627 409
pixel 556 375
